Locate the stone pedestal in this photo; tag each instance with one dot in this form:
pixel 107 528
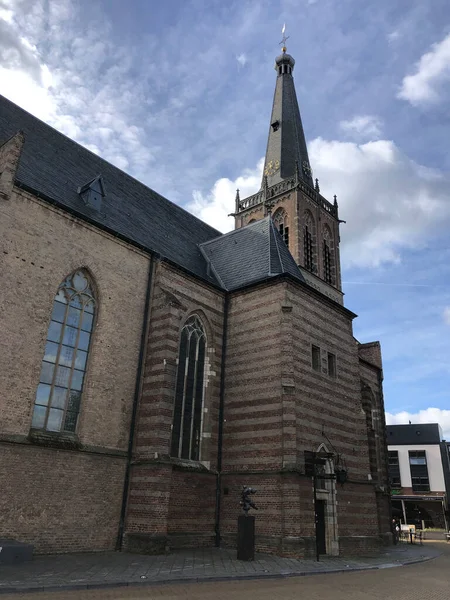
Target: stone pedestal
pixel 246 538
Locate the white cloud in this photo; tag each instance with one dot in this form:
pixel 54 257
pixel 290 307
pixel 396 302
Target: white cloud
pixel 81 98
pixel 432 70
pixel 428 415
pixel 6 14
pixel 215 207
pixel 389 202
pixel 446 315
pixel 123 114
pixel 363 126
pixel 393 36
pixel 242 59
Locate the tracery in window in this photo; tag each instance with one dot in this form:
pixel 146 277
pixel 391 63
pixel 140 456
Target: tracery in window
pixel 280 219
pixel 189 391
pixel 58 396
pixel 308 241
pixel 328 269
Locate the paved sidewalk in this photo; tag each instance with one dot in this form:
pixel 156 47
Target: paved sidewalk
pixel 111 569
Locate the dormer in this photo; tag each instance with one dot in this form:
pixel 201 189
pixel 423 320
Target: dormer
pixel 92 193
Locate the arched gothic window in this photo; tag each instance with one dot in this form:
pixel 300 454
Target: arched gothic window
pixel 374 431
pixel 327 256
pixel 280 219
pixel 188 409
pixel 58 396
pixel 308 241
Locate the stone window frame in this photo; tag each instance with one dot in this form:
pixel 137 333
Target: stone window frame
pixel 59 394
pixel 328 257
pixel 281 222
pixel 326 490
pixel 193 320
pixel 331 365
pixel 374 429
pixel 316 358
pixel 309 242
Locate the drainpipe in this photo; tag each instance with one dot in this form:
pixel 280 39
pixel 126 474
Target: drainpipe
pixel 137 391
pixel 220 428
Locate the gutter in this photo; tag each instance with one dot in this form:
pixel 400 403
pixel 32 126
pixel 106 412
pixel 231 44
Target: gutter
pixel 137 391
pixel 226 302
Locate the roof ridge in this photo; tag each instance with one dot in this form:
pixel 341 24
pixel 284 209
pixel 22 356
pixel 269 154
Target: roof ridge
pixel 211 265
pixel 234 231
pixel 274 229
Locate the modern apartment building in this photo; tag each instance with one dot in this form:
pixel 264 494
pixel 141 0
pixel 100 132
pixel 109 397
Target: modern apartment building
pixel 419 474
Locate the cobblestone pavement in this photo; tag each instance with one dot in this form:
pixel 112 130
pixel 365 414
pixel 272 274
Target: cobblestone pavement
pixel 109 570
pixel 425 581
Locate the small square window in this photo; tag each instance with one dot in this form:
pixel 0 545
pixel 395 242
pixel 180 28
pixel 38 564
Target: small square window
pixel 393 457
pixel 315 356
pixel 331 364
pixel 417 457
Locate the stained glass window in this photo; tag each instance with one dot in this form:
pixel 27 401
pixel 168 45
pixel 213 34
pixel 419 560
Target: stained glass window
pixel 58 395
pixel 188 408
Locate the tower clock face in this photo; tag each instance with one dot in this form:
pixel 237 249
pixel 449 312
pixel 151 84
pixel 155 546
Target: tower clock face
pixel 306 168
pixel 271 167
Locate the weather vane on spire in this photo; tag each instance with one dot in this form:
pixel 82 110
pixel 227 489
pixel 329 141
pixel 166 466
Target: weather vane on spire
pixel 283 41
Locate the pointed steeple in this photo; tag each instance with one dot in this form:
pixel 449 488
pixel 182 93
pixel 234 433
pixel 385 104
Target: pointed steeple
pixel 286 145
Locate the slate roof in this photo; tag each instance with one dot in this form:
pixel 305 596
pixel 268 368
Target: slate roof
pixel 287 144
pixel 56 166
pixel 248 255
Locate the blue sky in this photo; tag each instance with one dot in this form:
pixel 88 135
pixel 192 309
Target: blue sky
pixel 179 95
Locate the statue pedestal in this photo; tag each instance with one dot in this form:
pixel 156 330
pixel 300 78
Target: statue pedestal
pixel 246 538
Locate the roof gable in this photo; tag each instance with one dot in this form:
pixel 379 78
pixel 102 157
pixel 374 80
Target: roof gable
pixel 96 185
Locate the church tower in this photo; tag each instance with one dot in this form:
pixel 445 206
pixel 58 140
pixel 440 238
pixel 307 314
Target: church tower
pixel 308 222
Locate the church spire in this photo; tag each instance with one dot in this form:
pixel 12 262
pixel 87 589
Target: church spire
pixel 286 144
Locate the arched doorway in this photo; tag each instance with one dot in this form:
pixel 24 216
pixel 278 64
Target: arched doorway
pixel 325 508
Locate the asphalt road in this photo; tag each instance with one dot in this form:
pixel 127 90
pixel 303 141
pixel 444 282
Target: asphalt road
pixel 423 581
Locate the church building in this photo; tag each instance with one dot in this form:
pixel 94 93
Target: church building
pixel 151 366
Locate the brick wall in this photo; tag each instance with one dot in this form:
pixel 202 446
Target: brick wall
pixel 321 219
pixel 60 501
pixel 9 159
pixel 155 517
pixel 278 406
pixel 39 246
pixel 371 375
pixel 327 406
pixel 295 203
pixel 175 297
pixel 191 509
pixel 253 404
